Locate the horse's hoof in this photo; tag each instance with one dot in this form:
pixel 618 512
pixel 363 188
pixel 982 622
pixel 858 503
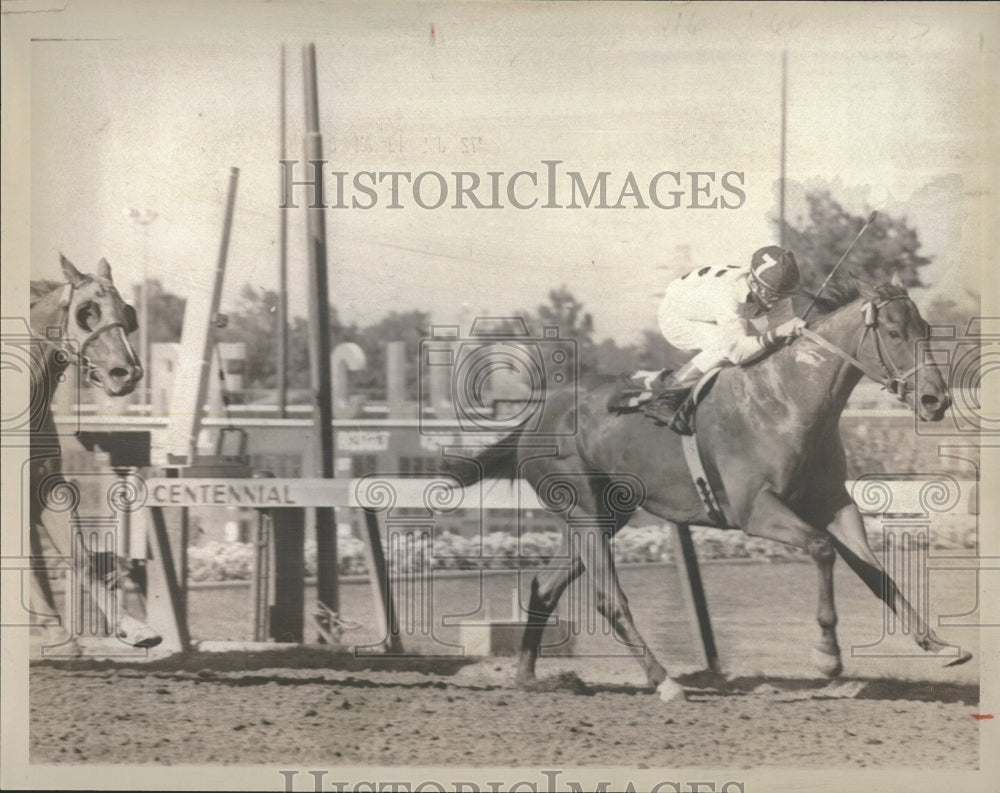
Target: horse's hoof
pixel 827 663
pixel 136 633
pixel 669 691
pixel 59 643
pixel 963 657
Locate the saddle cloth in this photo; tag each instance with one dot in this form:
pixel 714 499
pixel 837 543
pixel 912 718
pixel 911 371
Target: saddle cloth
pixel 636 390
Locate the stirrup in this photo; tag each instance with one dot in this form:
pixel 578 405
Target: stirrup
pixel 667 410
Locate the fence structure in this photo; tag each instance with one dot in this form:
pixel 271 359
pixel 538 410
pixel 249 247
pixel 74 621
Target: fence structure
pixel 391 505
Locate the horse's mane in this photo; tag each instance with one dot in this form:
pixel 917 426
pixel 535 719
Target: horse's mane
pixel 842 292
pixel 41 288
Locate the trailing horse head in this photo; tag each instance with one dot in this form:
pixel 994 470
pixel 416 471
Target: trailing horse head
pixel 890 351
pixel 97 323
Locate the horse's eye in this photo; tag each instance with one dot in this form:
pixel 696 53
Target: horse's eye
pixel 894 334
pixel 88 315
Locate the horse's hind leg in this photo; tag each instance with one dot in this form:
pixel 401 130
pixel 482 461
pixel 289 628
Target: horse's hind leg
pixel 611 602
pixel 542 602
pixel 848 529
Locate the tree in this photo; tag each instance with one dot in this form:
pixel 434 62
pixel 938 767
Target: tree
pixel 408 327
pixel 255 322
pixel 887 247
pixel 655 352
pixel 166 313
pixel 615 360
pixel 565 312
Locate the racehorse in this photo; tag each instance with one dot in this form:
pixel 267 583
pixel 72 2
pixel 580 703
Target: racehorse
pixel 769 433
pixel 83 322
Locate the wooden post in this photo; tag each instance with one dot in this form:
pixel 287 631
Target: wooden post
pixel 164 607
pixel 261 584
pixel 686 562
pixel 288 532
pixel 179 444
pixel 208 346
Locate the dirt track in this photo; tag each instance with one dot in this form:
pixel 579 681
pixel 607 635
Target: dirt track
pixel 309 706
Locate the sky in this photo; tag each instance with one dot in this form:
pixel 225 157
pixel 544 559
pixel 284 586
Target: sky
pixel 888 105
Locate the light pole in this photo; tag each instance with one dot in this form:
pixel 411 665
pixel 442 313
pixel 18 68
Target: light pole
pixel 143 218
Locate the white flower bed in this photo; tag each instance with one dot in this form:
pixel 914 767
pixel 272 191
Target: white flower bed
pixel 216 561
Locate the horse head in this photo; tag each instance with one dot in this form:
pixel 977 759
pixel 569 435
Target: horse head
pixel 890 351
pixel 98 322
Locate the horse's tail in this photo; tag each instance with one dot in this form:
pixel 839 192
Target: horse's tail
pixel 498 461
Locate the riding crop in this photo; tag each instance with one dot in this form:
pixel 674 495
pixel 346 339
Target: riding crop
pixel 864 228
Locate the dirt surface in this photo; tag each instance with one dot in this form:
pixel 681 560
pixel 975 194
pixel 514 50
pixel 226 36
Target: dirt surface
pixel 310 705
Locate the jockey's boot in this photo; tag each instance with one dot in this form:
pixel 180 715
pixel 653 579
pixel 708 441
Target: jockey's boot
pixel 664 406
pixel 671 393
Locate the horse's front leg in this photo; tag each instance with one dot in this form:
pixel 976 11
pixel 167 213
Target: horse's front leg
pixel 848 529
pixel 772 519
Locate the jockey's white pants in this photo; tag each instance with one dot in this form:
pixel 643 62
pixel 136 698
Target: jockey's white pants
pixel 706 338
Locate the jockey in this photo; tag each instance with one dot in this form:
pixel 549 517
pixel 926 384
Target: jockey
pixel 727 315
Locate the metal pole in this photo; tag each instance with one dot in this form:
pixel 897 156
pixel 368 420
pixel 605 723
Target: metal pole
pixel 206 353
pixel 319 349
pixel 283 272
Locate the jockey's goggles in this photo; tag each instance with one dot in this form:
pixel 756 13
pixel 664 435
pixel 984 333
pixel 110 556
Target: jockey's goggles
pixel 767 293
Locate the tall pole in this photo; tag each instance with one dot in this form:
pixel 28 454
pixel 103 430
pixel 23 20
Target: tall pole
pixel 781 182
pixel 283 272
pixel 319 349
pixel 208 343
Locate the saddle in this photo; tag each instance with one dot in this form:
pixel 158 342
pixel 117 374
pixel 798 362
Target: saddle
pixel 631 395
pixel 633 392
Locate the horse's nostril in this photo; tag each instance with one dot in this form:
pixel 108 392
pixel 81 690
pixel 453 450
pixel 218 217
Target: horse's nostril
pixel 119 373
pixel 930 401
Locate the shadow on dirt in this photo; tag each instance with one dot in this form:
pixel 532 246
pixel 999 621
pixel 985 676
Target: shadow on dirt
pixel 708 685
pixel 237 667
pixel 299 657
pixel 711 683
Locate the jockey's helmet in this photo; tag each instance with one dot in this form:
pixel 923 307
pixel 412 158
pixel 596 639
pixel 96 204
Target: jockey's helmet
pixel 774 274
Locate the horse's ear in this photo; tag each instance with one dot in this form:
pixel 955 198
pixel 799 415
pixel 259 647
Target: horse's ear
pixel 72 275
pixel 865 289
pixel 897 279
pixel 104 269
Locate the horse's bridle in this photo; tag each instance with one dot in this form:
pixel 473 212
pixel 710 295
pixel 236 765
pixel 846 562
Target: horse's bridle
pixel 79 357
pixel 891 379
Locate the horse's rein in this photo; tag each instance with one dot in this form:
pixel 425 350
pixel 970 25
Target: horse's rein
pixel 80 358
pixel 891 380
